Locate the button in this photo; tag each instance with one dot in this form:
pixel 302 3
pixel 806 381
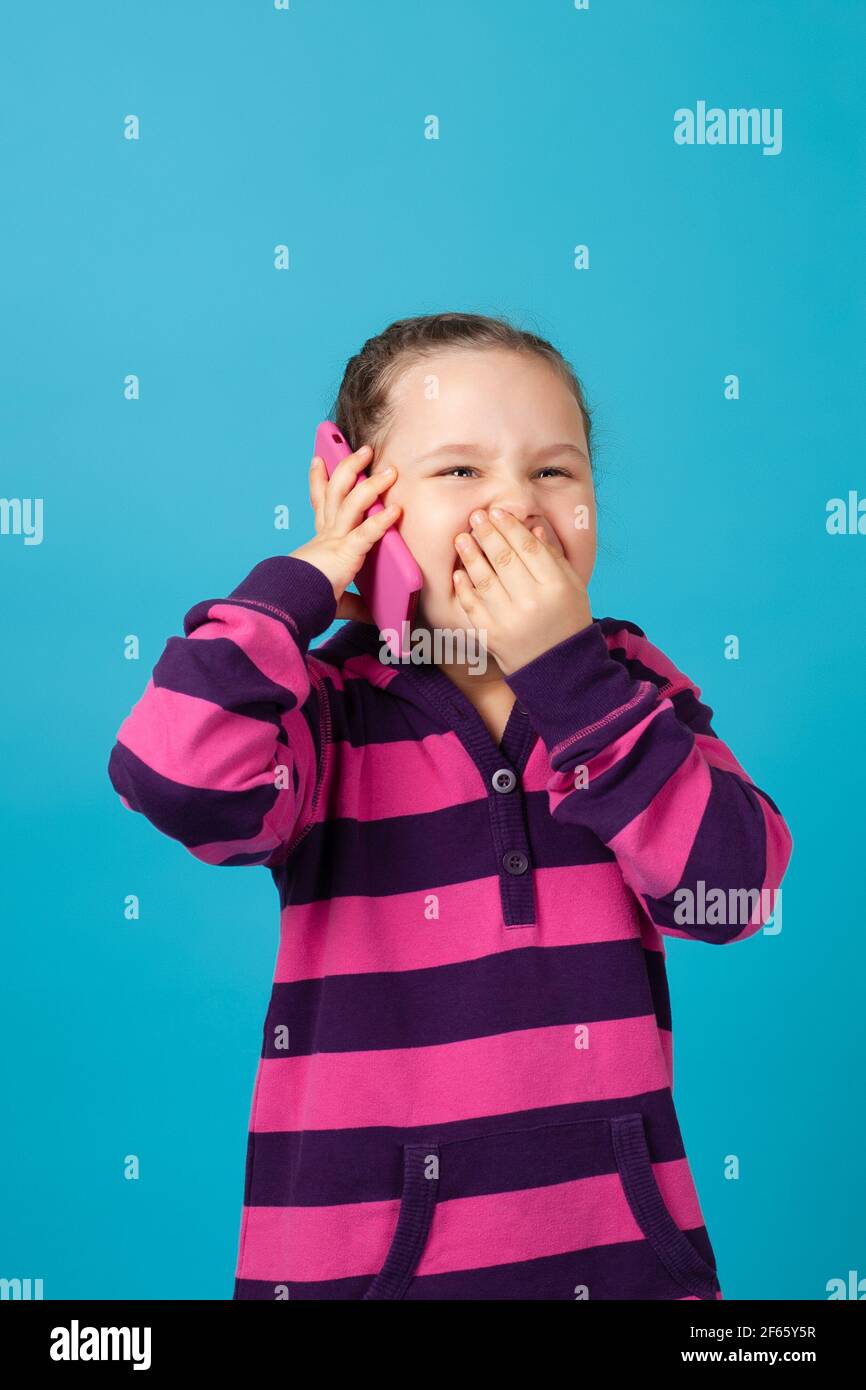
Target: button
pixel 515 861
pixel 504 779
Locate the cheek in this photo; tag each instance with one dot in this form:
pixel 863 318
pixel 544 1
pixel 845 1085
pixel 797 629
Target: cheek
pixel 580 552
pixel 575 529
pixel 431 541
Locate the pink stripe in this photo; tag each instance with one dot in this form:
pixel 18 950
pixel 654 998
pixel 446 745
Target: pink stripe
pixel 575 906
pixel 407 1086
pixel 536 773
pixel 408 778
pixel 719 755
pixel 339 1242
pixel 365 668
pixel 378 780
pixel 197 744
pixel 471 1232
pixel 265 640
pixel 654 847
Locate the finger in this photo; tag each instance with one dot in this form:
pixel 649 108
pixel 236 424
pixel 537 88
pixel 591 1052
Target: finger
pixel 343 479
pixel 375 526
pixel 513 578
pixel 361 497
pixel 484 578
pixel 318 483
pixel 468 597
pixel 532 551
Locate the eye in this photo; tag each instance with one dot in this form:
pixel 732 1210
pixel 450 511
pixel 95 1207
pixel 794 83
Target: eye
pixel 464 468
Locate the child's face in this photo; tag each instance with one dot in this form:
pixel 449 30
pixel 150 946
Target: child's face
pixel 510 408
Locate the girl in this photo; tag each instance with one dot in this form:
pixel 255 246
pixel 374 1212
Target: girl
pixel 465 1086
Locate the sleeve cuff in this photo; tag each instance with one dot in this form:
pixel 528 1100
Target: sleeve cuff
pixel 576 691
pixel 299 592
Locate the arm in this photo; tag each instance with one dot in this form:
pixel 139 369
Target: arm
pixel 658 786
pixel 225 749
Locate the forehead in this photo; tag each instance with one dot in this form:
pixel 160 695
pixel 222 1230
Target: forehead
pixel 485 395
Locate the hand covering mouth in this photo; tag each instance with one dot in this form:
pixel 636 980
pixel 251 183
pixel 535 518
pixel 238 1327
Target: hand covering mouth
pixel 549 535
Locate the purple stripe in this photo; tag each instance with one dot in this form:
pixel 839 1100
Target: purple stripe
pixel 528 987
pixel 612 799
pixel 192 815
pixel 308 1168
pixel 419 853
pixel 218 670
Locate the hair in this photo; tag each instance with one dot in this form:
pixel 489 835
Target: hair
pixel 362 409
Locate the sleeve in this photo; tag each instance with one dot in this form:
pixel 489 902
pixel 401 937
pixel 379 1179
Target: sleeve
pixel 226 748
pixel 633 757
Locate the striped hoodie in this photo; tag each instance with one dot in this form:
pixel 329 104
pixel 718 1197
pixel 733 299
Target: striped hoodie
pixel 465 1082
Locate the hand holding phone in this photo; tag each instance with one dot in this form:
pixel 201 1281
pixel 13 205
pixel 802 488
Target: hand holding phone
pixel 353 540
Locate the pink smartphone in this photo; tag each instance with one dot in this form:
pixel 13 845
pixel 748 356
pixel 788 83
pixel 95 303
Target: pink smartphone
pixel 389 581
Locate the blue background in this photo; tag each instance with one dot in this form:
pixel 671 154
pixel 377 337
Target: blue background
pixel 155 257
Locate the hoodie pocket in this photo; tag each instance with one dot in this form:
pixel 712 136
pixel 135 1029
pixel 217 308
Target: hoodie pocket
pixel 420 1190
pixel 670 1244
pixel 518 1210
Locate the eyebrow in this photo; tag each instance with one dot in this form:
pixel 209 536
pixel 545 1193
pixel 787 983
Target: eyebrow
pixel 474 450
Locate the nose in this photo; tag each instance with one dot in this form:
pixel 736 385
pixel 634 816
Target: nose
pixel 522 512
pixel 524 508
pixel 518 499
